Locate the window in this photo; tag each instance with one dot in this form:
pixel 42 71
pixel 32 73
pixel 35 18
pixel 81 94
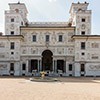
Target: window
pixel 60 38
pixel 82 67
pixel 83 53
pixel 24 67
pixel 12 45
pixel 12 32
pixel 83 33
pixel 82 45
pixel 83 19
pixel 34 38
pixel 12 53
pixel 47 38
pixel 70 67
pixel 12 19
pixel 11 66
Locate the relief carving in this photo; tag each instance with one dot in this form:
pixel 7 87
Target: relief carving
pixel 3 66
pixel 24 51
pixel 60 50
pixel 2 55
pixel 34 51
pixel 70 50
pixel 69 58
pixel 94 67
pixel 2 44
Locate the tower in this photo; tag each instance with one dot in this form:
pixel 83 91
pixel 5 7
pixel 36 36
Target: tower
pixel 80 17
pixel 15 17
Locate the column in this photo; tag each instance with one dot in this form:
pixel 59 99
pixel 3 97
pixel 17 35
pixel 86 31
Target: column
pixel 77 69
pixel 65 66
pixel 55 66
pixel 38 65
pixel 27 65
pixel 67 71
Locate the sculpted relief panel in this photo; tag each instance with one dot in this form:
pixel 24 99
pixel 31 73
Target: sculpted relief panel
pixel 2 45
pixel 60 50
pixel 2 55
pixel 3 66
pixel 94 67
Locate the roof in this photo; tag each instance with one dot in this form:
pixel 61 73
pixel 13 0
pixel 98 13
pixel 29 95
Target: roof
pixel 48 25
pixel 11 36
pixel 86 36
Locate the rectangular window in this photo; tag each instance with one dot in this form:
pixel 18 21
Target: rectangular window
pixel 83 33
pixel 70 67
pixel 11 66
pixel 24 67
pixel 82 67
pixel 12 32
pixel 60 38
pixel 47 38
pixel 12 19
pixel 12 45
pixel 34 38
pixel 83 19
pixel 82 45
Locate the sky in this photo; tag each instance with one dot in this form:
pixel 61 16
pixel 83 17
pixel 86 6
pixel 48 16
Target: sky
pixel 52 11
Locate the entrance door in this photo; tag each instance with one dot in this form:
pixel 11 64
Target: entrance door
pixel 82 69
pixel 60 65
pixel 47 60
pixel 34 65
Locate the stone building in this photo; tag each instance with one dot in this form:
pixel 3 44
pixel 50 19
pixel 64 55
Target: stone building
pixel 66 48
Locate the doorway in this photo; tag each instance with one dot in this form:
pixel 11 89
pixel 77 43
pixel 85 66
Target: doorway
pixel 47 60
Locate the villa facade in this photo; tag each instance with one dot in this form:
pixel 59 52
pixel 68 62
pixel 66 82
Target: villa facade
pixel 66 48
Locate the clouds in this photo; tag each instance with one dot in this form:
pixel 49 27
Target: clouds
pixel 52 0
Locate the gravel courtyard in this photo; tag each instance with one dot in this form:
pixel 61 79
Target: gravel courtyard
pixel 66 89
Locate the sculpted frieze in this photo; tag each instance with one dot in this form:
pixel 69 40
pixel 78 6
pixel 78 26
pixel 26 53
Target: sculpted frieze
pixel 94 67
pixel 3 66
pixel 69 58
pixel 2 55
pixel 60 50
pixel 2 44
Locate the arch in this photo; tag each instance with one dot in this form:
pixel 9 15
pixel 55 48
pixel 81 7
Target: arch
pixel 47 60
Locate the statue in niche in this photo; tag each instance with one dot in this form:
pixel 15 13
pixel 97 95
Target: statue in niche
pixel 33 51
pixel 63 50
pixel 59 51
pixel 24 51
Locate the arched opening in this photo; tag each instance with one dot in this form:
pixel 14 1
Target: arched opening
pixel 47 60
